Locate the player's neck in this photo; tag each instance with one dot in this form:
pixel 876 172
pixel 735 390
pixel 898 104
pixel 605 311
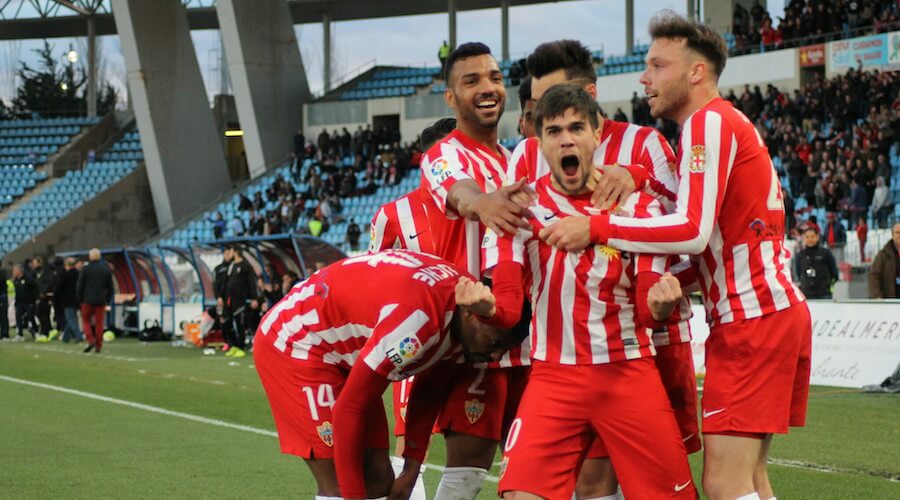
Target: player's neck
pixel 484 137
pixel 697 101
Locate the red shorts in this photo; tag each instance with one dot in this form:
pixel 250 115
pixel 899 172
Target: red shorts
pixel 401 391
pixel 757 373
pixel 475 404
pixel 301 395
pixel 516 379
pixel 565 407
pixel 675 363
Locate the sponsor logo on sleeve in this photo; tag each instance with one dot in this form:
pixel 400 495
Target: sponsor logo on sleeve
pixel 698 159
pixel 440 169
pixel 404 351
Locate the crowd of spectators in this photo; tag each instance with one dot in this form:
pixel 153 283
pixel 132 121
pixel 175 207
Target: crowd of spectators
pixel 45 299
pixel 832 140
pixel 810 21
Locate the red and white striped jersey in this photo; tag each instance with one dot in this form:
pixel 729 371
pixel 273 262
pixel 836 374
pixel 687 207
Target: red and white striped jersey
pixel 729 216
pixel 583 303
pixel 622 143
pixel 454 158
pixel 402 223
pixel 404 331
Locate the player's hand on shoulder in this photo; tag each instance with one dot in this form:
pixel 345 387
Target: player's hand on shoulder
pixel 499 212
pixel 664 296
pixel 475 296
pixel 571 234
pixel 613 187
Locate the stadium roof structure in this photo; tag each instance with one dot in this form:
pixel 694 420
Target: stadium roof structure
pixel 27 19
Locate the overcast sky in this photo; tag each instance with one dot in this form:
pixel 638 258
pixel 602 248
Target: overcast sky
pixel 411 40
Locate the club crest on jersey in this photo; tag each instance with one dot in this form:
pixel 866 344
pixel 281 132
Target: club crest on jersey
pixel 698 159
pixel 474 410
pixel 440 169
pixel 372 238
pixel 326 433
pixel 403 413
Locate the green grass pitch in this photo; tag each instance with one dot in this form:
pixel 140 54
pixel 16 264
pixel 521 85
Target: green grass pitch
pixel 63 445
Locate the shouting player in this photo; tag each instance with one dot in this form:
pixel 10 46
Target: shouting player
pixel 730 217
pixel 640 149
pixel 593 375
pixel 328 350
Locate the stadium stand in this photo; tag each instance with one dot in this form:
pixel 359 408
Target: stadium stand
pixel 25 145
pixel 396 82
pixel 69 192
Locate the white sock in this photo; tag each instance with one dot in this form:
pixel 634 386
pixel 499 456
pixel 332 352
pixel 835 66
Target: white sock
pixel 320 497
pixel 749 496
pixel 614 496
pixel 773 498
pixel 460 483
pixel 418 492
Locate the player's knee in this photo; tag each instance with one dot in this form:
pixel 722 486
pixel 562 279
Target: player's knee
pixel 460 483
pixel 379 478
pixel 597 479
pixel 470 451
pixel 326 479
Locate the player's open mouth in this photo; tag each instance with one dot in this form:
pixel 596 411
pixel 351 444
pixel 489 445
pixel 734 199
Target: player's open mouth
pixel 487 104
pixel 651 96
pixel 569 164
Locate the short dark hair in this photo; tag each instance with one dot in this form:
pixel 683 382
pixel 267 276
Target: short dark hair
pixel 464 51
pixel 563 97
pixel 699 37
pixel 569 55
pixel 811 227
pixel 524 91
pixel 435 132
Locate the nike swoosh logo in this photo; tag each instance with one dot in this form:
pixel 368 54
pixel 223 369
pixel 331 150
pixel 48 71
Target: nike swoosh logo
pixel 548 217
pixel 679 487
pixel 689 436
pixel 708 414
pixel 414 236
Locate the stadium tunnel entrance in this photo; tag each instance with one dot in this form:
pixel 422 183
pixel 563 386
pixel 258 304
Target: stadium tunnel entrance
pixel 168 286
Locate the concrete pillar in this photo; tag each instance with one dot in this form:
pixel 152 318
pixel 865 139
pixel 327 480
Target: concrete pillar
pixel 267 75
pixel 326 49
pixel 92 67
pixel 183 151
pixel 629 27
pixel 451 15
pixel 504 28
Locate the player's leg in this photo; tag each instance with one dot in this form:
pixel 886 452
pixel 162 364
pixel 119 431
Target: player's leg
pixel 676 369
pixel 596 480
pixel 550 436
pixel 401 391
pixel 633 417
pixel 729 465
pixel 761 474
pixel 326 478
pixel 471 422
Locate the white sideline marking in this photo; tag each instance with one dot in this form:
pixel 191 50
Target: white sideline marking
pixel 170 413
pixel 264 432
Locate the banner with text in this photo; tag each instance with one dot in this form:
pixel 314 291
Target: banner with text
pixel 853 343
pixel 870 51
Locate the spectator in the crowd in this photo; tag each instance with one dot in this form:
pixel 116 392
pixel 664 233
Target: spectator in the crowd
pixel 317 225
pixel 324 142
pixel 299 145
pixel 218 225
pixel 59 315
pixel 67 293
pixel 236 226
pixel 45 275
pixel 288 280
pixel 882 204
pixel 835 236
pixel 862 235
pixel 258 203
pixel 859 205
pixel 4 305
pixel 26 296
pixel 94 291
pixel 443 54
pixel 884 275
pixel 353 234
pixel 240 293
pixel 244 203
pixel 815 267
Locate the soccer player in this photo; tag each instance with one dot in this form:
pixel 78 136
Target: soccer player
pixel 402 223
pixel 526 105
pixel 593 374
pixel 463 192
pixel 642 149
pixel 730 217
pixel 328 350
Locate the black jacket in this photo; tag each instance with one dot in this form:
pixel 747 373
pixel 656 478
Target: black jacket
pixel 46 278
pixel 95 286
pixel 220 277
pixel 67 288
pixel 26 289
pixel 241 284
pixel 816 271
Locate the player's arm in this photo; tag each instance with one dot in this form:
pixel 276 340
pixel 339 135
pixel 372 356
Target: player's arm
pixel 503 211
pixel 383 236
pixel 362 390
pixel 662 181
pixel 503 259
pixel 703 175
pixel 617 183
pixel 656 298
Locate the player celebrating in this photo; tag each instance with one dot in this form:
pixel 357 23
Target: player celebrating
pixel 325 355
pixel 461 185
pixel 752 306
pixel 641 149
pixel 593 374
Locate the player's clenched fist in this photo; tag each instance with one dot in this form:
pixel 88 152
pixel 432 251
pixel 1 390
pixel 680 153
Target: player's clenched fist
pixel 476 296
pixel 663 297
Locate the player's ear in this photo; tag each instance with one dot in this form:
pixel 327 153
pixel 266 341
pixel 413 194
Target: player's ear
pixel 449 98
pixel 591 89
pixel 698 71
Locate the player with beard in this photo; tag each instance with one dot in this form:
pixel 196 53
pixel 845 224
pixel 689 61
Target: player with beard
pixel 593 375
pixel 725 174
pixel 640 149
pixel 463 192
